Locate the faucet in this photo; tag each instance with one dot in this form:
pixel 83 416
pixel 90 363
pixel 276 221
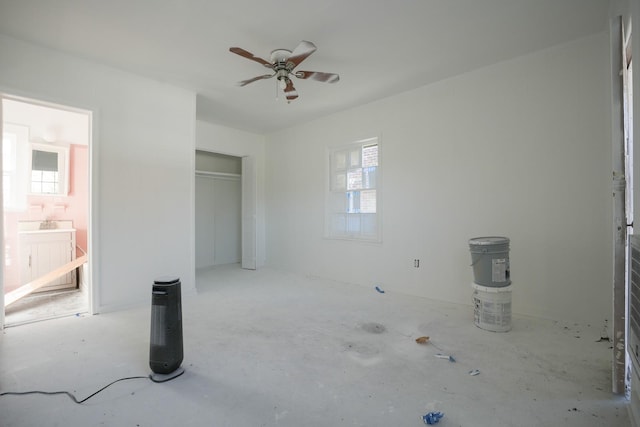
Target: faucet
pixel 47 224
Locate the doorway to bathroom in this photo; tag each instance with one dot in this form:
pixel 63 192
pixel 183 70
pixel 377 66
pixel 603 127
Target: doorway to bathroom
pixel 46 199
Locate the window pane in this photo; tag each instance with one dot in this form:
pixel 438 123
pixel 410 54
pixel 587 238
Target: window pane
pixel 6 188
pixel 45 182
pixel 9 152
pixel 354 158
pixel 369 224
pixel 340 160
pixel 48 187
pixel 49 176
pixel 15 146
pixel 339 181
pixel 368 201
pixel 353 202
pixel 353 224
pixel 354 179
pixel 370 156
pixel 369 177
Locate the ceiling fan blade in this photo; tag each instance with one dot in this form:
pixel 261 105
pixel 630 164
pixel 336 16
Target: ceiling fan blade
pixel 318 75
pixel 300 53
pixel 246 82
pixel 290 91
pixel 249 55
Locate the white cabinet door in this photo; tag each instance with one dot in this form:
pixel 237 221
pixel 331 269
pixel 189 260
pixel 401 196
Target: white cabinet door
pixel 41 253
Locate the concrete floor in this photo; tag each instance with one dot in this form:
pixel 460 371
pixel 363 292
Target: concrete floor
pixel 267 348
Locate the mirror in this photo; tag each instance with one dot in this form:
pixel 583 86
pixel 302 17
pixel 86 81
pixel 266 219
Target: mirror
pixel 49 170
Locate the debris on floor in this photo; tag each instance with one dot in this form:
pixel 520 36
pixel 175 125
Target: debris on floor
pixel 444 356
pixel 422 340
pixel 432 417
pixel 374 328
pixel 379 289
pixel 474 372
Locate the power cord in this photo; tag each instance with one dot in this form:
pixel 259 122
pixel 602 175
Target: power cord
pixel 75 399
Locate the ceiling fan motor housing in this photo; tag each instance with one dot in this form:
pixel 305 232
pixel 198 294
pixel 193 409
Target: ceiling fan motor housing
pixel 282 68
pixel 282 73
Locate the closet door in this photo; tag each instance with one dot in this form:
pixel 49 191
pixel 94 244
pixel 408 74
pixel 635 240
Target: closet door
pixel 228 221
pixel 205 222
pixel 249 202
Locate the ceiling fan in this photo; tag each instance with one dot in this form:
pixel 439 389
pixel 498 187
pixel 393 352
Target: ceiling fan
pixel 283 62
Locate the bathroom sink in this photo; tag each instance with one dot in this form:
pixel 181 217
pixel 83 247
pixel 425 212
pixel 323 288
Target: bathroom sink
pixel 46 226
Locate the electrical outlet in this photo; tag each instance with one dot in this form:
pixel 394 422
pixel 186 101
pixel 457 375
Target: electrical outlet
pixel 416 263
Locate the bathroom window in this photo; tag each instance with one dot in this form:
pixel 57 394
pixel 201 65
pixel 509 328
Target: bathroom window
pixel 49 169
pixel 15 149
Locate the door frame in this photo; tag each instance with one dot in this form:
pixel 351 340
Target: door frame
pixel 92 209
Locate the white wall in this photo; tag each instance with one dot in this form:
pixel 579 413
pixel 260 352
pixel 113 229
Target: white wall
pixel 143 156
pixel 220 139
pixel 519 149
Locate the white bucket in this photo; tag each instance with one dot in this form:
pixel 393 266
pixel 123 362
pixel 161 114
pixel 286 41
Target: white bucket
pixel 492 308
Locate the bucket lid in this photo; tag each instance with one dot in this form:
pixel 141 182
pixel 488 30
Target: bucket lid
pixel 491 240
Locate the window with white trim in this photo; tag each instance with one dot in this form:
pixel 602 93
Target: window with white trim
pixel 353 196
pixel 49 171
pixel 15 148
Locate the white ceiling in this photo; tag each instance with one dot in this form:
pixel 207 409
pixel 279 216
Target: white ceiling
pixel 378 47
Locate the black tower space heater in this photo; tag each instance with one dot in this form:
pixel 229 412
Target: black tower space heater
pixel 165 354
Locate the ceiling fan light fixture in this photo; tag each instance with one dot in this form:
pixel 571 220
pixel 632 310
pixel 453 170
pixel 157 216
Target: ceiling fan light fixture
pixel 280 55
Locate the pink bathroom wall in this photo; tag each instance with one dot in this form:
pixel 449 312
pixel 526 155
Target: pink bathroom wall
pixel 78 209
pixel 73 207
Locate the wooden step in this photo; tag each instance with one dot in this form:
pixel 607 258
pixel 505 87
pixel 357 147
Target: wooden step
pixel 24 290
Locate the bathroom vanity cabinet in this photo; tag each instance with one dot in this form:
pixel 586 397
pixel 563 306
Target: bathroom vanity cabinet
pixel 44 250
